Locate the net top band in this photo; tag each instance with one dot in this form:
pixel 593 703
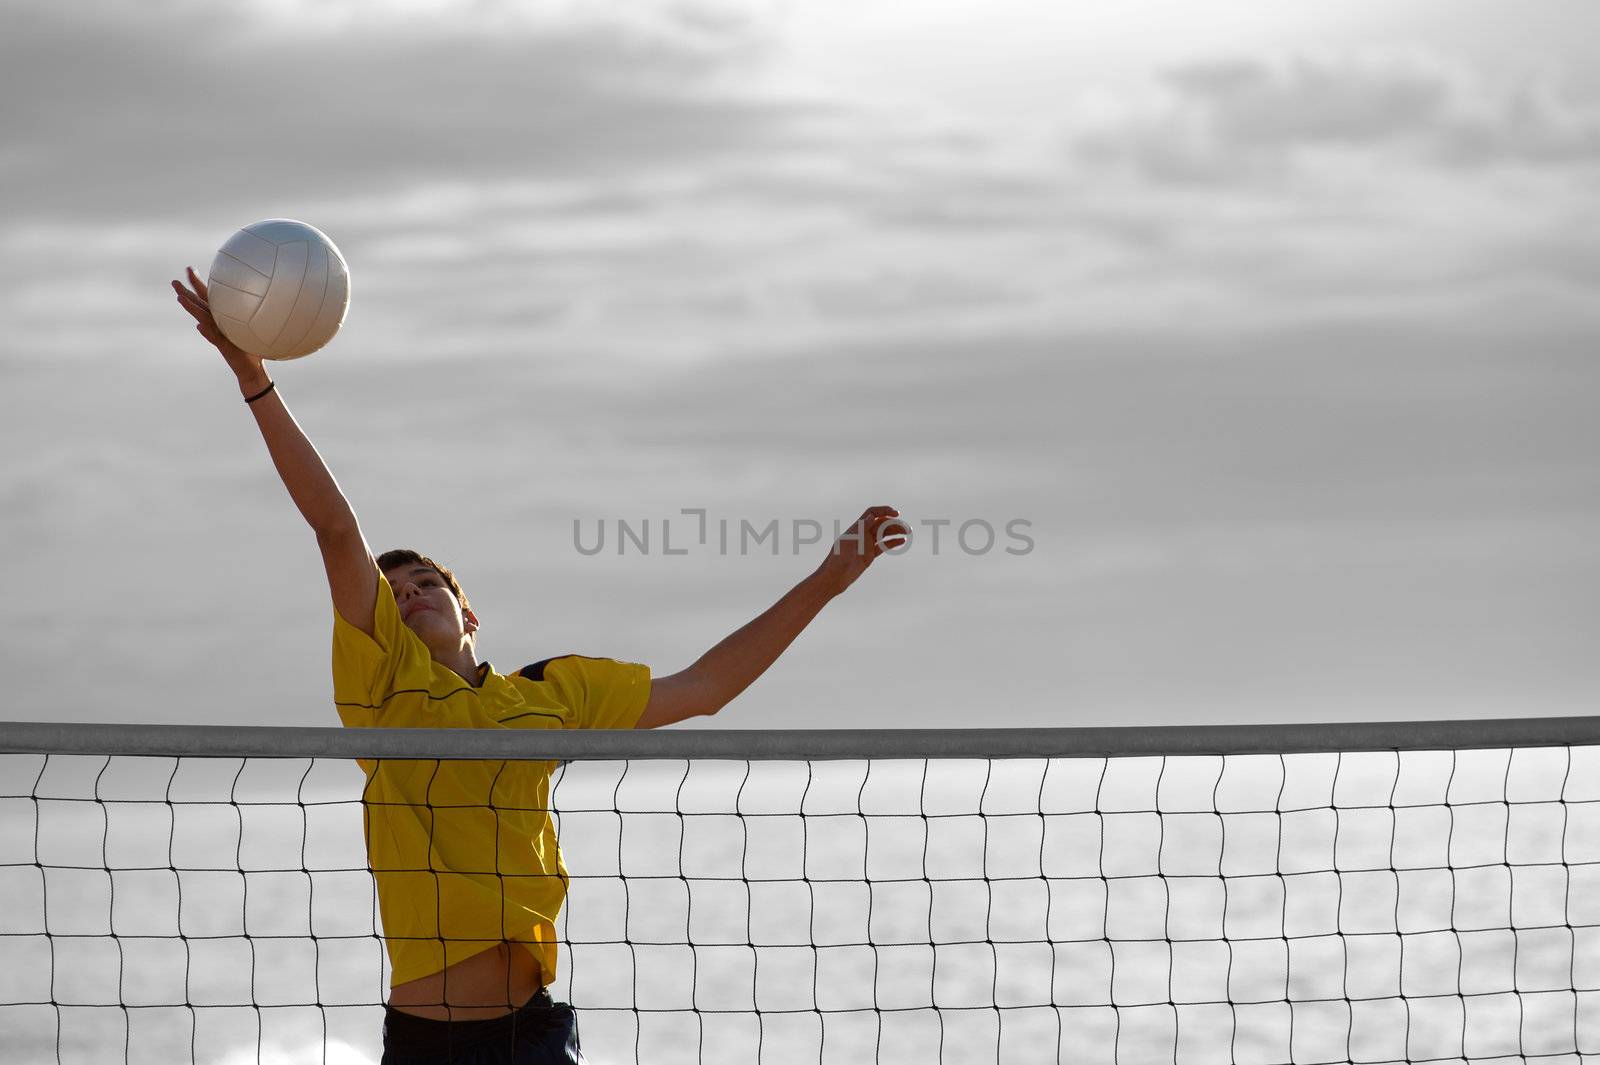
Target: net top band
pixel 250 741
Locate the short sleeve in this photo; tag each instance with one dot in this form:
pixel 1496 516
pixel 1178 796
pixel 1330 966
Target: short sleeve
pixel 365 667
pixel 602 692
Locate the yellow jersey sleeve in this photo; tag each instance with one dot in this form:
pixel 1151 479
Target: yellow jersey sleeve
pixel 367 670
pixel 602 692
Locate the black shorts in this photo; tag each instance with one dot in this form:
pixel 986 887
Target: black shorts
pixel 542 1032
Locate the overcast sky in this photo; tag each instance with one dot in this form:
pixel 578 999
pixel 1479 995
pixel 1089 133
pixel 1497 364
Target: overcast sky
pixel 1275 323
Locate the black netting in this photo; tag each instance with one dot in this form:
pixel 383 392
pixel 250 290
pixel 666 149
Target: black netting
pixel 1400 906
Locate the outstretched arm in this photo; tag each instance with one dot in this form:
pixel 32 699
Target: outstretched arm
pixel 733 665
pixel 345 555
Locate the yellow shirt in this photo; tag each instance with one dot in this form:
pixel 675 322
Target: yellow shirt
pixel 464 853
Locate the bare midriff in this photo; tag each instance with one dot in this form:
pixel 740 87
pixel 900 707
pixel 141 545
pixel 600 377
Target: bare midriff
pixel 490 984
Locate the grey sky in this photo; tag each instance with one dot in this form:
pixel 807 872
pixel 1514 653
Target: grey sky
pixel 1277 326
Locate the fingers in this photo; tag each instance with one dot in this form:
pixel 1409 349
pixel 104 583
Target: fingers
pixel 887 531
pixel 198 288
pixel 874 517
pixel 192 303
pixel 199 308
pixel 882 529
pixel 198 295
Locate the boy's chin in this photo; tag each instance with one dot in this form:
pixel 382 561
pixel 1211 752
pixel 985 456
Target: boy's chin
pixel 430 634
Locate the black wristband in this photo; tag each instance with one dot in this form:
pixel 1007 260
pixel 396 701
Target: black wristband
pixel 270 386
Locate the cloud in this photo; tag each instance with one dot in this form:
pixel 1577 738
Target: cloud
pixel 1224 119
pixel 606 178
pixel 1201 504
pixel 176 111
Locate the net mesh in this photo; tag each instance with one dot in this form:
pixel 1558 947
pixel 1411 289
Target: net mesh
pixel 1395 906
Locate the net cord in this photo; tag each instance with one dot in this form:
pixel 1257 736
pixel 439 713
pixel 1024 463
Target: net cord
pixel 248 741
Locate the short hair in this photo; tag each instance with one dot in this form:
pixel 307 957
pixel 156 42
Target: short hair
pixel 401 556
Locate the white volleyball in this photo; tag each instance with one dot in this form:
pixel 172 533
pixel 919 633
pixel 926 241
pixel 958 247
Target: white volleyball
pixel 279 289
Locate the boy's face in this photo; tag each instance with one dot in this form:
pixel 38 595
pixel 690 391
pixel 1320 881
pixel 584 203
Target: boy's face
pixel 429 609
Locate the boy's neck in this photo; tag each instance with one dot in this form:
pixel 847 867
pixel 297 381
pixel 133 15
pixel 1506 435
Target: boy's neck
pixel 463 664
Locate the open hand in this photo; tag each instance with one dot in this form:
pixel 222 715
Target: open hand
pixel 876 531
pixel 197 302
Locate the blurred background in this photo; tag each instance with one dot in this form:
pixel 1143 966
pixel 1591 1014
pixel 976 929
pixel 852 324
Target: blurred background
pixel 1275 324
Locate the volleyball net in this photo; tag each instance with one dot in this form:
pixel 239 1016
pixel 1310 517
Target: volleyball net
pixel 1424 891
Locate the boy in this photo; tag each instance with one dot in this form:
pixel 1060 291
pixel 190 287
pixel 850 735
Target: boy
pixel 464 854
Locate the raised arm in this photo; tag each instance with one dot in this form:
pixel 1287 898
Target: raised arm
pixel 345 554
pixel 733 665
